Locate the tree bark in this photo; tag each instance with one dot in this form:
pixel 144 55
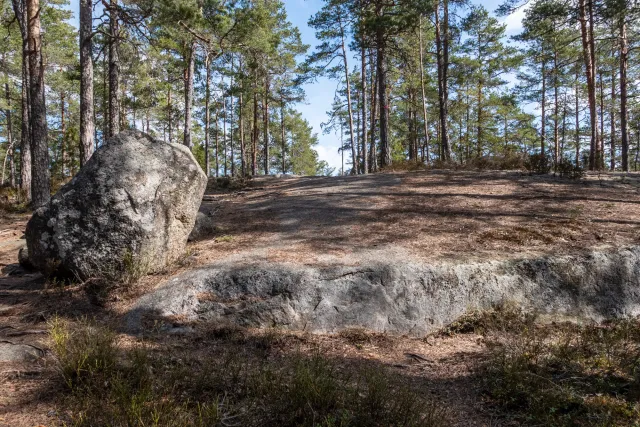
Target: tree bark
pixel 41 178
pixel 373 152
pixel 265 117
pixel 612 116
pixel 588 43
pixel 254 137
pixel 207 112
pixel 363 72
pixel 624 55
pixel 283 136
pixel 188 93
pixel 424 97
pixel 442 56
pixel 20 10
pixel 10 142
pixel 577 122
pixel 87 125
pixel 354 156
pixel 543 118
pixel 63 152
pixel 114 70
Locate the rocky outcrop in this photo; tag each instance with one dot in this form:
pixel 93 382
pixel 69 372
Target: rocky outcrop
pixel 134 202
pixel 409 298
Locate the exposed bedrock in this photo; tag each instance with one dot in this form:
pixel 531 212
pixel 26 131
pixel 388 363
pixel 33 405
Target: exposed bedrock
pixel 410 298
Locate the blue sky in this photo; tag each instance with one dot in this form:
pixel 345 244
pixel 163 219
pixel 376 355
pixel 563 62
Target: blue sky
pixel 320 94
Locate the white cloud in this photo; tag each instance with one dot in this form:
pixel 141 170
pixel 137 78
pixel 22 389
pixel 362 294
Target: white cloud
pixel 514 21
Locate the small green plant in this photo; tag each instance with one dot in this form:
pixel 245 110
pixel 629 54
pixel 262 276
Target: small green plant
pixel 134 267
pixel 84 353
pixel 537 164
pixel 567 375
pixel 568 169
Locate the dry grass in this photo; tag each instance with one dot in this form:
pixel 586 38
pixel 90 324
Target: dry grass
pixel 116 385
pixel 559 374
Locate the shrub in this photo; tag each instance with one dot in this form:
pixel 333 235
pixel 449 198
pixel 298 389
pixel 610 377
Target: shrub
pixel 537 164
pixel 568 375
pixel 568 169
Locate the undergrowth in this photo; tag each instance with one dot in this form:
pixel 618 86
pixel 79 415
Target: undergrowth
pixel 116 385
pixel 559 374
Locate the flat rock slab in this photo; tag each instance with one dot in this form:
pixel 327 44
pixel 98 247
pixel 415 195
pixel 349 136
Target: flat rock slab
pixel 10 352
pixel 402 298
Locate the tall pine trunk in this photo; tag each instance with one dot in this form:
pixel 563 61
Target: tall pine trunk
pixel 586 31
pixel 424 97
pixel 624 131
pixel 87 125
pixel 265 117
pixel 20 10
pixel 207 113
pixel 41 178
pixel 363 106
pixel 442 56
pixel 188 92
pixel 354 156
pixel 114 70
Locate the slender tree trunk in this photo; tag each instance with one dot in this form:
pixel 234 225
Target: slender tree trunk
pixel 41 178
pixel 543 118
pixel 589 61
pixel 383 101
pixel 624 55
pixel 564 128
pixel 600 149
pixel 87 125
pixel 170 115
pixel 217 151
pixel 207 112
pixel 363 106
pixel 188 93
pixel 442 56
pixel 10 142
pixel 577 121
pixel 480 137
pixel 231 153
pixel 265 116
pixel 612 115
pixel 254 138
pixel 283 136
pixel 20 10
pixel 424 97
pixel 373 152
pixel 243 160
pixel 224 134
pixel 114 70
pixel 354 156
pixel 63 152
pixel 555 111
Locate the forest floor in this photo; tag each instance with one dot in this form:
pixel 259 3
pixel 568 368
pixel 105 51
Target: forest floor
pixel 436 215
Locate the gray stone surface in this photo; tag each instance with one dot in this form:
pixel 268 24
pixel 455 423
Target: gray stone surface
pixel 204 226
pixel 136 198
pixel 10 352
pixel 403 298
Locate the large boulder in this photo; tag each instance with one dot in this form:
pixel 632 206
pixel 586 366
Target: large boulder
pixel 132 205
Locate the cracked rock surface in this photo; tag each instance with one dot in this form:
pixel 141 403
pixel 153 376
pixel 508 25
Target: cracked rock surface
pixel 135 200
pixel 412 298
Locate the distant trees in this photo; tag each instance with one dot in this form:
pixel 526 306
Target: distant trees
pixel 419 81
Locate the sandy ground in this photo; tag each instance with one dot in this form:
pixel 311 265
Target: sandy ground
pixel 421 216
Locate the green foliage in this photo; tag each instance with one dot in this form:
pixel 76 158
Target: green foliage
pixel 537 164
pixel 566 374
pixel 117 385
